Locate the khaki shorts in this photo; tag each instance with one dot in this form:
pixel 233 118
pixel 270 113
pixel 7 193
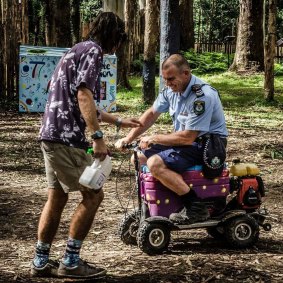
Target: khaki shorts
pixel 64 165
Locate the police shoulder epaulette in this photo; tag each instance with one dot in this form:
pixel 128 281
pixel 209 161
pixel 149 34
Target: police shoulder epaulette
pixel 197 89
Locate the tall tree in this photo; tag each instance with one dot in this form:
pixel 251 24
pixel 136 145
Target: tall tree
pixel 2 78
pixel 187 40
pixel 118 7
pixel 150 38
pixel 249 55
pixel 169 29
pixel 24 22
pixel 10 36
pixel 49 8
pixel 75 21
pixel 115 6
pixel 270 51
pixel 62 23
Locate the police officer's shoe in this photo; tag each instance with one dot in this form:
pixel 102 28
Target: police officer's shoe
pixel 195 212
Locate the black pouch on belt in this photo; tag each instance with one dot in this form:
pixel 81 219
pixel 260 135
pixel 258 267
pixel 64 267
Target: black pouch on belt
pixel 214 156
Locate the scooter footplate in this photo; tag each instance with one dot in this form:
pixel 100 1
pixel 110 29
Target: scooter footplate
pixel 204 224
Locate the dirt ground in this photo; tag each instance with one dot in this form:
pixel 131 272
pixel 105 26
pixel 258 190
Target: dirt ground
pixel 193 256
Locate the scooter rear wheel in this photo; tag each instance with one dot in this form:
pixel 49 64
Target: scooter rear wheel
pixel 242 231
pixel 128 228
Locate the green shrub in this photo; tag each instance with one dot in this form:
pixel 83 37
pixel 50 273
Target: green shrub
pixel 208 62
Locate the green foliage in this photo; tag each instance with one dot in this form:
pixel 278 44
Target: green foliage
pixel 137 64
pixel 242 98
pixel 208 62
pixel 278 69
pixel 215 19
pixel 90 9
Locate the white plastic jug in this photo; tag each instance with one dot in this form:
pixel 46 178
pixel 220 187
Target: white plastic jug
pixel 94 176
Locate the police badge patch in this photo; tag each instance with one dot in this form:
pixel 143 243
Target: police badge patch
pixel 199 107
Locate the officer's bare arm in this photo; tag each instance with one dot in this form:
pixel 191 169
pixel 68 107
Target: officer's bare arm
pixel 180 138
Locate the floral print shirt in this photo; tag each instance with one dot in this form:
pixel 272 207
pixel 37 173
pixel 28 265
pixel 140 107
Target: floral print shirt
pixel 62 121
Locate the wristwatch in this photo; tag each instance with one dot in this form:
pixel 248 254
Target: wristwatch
pixel 97 135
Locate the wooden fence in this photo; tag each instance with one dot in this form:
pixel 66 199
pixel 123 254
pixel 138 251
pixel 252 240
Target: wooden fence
pixel 229 48
pixel 226 48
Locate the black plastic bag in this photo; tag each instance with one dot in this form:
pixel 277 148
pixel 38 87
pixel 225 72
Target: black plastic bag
pixel 214 156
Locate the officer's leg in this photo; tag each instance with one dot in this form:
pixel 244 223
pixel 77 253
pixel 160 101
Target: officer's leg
pixel 194 210
pixel 167 177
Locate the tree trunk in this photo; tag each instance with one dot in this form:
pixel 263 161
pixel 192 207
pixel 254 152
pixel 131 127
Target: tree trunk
pixel 10 16
pixel 249 56
pixel 169 30
pixel 75 21
pixel 49 23
pixel 270 51
pixel 187 40
pixel 118 8
pixel 130 14
pixel 62 27
pixel 25 23
pixel 150 39
pixel 2 77
pixel 115 6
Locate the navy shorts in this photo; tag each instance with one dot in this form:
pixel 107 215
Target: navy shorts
pixel 178 158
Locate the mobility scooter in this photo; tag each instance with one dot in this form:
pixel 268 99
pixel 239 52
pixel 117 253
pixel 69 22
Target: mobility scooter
pixel 233 200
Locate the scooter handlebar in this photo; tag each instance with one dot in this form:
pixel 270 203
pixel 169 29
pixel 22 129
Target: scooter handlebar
pixel 131 145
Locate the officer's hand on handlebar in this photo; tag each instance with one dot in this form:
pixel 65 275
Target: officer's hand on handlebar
pixel 146 142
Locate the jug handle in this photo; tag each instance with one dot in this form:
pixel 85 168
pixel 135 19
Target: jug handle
pixel 95 163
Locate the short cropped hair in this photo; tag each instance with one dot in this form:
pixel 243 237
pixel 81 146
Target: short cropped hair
pixel 177 60
pixel 109 31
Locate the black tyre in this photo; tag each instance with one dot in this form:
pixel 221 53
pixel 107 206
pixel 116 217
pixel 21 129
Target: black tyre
pixel 128 228
pixel 216 232
pixel 242 231
pixel 153 238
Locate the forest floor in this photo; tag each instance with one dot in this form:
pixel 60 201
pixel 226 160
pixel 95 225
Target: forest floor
pixel 193 256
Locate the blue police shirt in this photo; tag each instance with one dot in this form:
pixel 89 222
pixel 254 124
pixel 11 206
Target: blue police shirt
pixel 190 112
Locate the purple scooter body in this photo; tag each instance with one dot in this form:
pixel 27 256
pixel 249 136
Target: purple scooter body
pixel 162 202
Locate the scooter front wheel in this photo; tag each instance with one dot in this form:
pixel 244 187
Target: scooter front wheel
pixel 153 238
pixel 128 228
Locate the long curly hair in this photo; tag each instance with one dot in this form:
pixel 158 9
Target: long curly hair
pixel 108 30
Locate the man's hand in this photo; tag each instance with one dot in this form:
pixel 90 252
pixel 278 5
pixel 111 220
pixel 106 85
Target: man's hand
pixel 130 123
pixel 146 142
pixel 99 149
pixel 121 143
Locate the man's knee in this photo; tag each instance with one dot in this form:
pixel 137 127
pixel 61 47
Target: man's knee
pixel 57 197
pixel 155 164
pixel 92 197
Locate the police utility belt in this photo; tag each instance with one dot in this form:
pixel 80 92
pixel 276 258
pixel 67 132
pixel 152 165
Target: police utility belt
pixel 202 139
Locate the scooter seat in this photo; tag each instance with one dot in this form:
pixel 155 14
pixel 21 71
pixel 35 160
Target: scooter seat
pixel 145 169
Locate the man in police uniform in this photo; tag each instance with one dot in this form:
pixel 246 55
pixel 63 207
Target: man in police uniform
pixel 196 111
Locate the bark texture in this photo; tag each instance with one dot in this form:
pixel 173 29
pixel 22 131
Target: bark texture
pixel 249 54
pixel 270 51
pixel 187 40
pixel 150 39
pixel 169 30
